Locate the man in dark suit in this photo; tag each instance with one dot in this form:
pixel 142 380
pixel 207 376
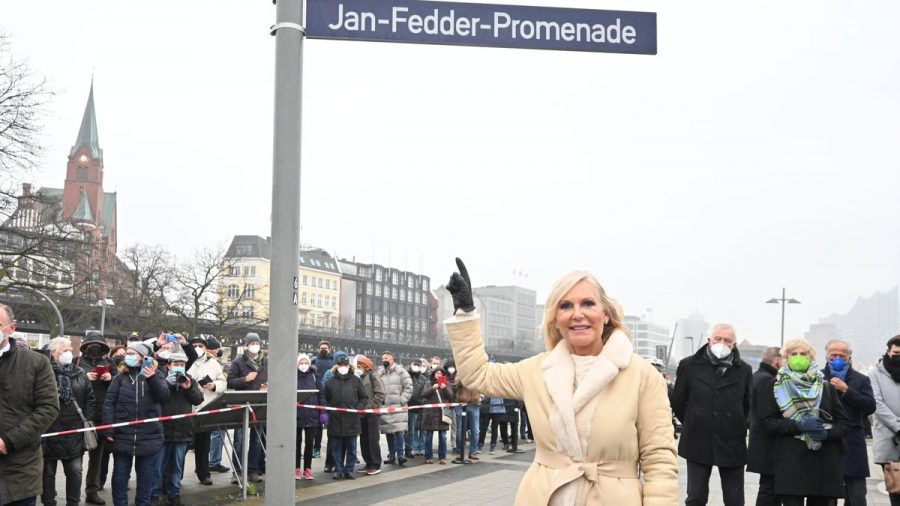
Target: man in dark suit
pixel 760 450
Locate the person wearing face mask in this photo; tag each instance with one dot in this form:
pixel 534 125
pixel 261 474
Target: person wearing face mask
pixel 307 418
pixel 369 443
pixel 885 376
pixel 761 445
pixel 397 391
pixel 75 396
pixel 854 391
pixel 100 370
pixel 168 343
pixel 136 393
pixel 250 371
pixel 324 361
pixel 210 377
pixel 712 400
pixel 414 441
pixel 808 423
pixel 184 394
pixel 344 390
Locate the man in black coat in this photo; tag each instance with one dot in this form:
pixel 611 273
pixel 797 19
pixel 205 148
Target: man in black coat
pixel 712 400
pixel 323 362
pixel 856 396
pixel 250 371
pixel 100 369
pixel 760 450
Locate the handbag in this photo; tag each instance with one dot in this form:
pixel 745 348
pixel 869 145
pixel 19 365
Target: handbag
pixel 892 477
pixel 445 417
pixel 90 436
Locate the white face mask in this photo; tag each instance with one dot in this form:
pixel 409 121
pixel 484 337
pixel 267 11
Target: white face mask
pixel 451 370
pixel 66 358
pixel 720 350
pixel 415 368
pixel 200 351
pixel 342 370
pixel 358 373
pixel 253 348
pixel 303 367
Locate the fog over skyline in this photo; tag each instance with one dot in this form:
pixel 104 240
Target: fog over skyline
pixel 757 150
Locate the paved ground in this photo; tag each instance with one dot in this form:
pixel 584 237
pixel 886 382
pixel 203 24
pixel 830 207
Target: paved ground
pixel 491 481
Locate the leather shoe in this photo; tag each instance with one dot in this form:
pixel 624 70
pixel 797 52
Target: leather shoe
pixel 205 481
pixel 219 468
pixel 94 499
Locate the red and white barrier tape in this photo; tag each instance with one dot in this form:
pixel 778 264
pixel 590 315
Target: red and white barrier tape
pixel 146 420
pixel 381 410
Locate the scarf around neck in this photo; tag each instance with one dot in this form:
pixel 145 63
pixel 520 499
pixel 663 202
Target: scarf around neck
pixel 64 383
pixel 799 394
pixel 721 364
pixel 254 363
pixel 893 370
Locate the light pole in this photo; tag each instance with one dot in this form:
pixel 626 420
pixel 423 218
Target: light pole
pixel 103 303
pixel 783 300
pixel 692 343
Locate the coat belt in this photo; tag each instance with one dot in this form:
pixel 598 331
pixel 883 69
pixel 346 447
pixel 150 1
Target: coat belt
pixel 567 470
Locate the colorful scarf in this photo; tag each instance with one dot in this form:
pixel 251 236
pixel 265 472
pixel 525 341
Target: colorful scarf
pixel 799 394
pixel 255 363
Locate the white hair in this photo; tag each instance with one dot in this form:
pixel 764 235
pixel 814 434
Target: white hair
pixel 57 342
pixel 725 326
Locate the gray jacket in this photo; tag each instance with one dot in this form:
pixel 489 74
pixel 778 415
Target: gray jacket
pixel 397 391
pixel 887 415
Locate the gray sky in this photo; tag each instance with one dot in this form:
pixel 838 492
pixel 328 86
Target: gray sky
pixel 757 150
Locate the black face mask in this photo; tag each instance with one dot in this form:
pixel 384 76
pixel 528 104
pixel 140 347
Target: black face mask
pixel 386 364
pixel 323 353
pixel 895 359
pixel 118 360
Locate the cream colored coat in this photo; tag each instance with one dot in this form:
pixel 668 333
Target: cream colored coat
pixel 593 442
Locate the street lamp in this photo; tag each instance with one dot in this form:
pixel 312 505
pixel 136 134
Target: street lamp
pixel 783 300
pixel 103 303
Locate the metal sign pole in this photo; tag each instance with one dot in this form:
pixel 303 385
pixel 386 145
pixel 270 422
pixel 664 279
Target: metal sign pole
pixel 245 452
pixel 283 316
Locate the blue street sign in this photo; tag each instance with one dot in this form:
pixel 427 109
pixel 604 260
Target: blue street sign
pixel 466 24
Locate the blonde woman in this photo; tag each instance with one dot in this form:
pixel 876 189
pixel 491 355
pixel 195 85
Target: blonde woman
pixel 600 413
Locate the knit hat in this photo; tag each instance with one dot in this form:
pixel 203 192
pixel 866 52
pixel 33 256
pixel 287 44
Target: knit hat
pixel 141 348
pixel 178 356
pixel 364 363
pixel 212 343
pixel 340 355
pixel 250 337
pixel 303 356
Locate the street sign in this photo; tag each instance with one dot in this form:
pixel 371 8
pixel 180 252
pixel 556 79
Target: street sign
pixel 470 24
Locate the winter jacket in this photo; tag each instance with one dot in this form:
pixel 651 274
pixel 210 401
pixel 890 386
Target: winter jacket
pixel 713 410
pixel 100 386
pixel 181 401
pixel 323 365
pixel 207 366
pixel 397 391
pixel 344 391
pixel 71 446
pixel 419 380
pixel 887 415
pixel 465 394
pixel 859 402
pixel 374 389
pixel 29 403
pixel 797 469
pixel 133 396
pixel 432 418
pixel 617 418
pixel 761 448
pixel 309 417
pixel 239 369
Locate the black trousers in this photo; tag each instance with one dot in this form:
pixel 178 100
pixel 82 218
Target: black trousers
pixel 698 484
pixel 797 500
pixel 93 481
pixel 369 440
pixel 305 435
pixel 201 454
pixel 317 442
pixel 855 491
pixel 493 419
pixel 766 495
pixel 72 469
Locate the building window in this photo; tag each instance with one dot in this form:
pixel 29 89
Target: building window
pixel 320 320
pixel 368 332
pixel 402 294
pixel 377 334
pixel 425 284
pixel 320 282
pixel 234 271
pixel 395 279
pixel 305 281
pixel 378 274
pixel 393 322
pixel 410 281
pixel 378 320
pixel 249 271
pixel 334 302
pixel 368 320
pixel 250 291
pixel 248 313
pixel 369 288
pixel 233 291
pixel 81 173
pixel 378 290
pixel 394 292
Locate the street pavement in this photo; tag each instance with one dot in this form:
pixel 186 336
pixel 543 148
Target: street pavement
pixel 492 481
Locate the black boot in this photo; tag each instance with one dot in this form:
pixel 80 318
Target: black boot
pixel 94 498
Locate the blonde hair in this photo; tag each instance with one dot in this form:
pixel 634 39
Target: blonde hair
pixel 612 308
pixel 797 344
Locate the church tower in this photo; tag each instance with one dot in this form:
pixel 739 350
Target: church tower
pixel 83 190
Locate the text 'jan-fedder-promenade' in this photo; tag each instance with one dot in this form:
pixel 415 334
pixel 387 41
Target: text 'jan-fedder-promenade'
pixel 483 25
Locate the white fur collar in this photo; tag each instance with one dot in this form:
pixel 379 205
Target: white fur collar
pixel 571 423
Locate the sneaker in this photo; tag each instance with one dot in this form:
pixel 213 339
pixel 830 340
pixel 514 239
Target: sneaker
pixel 473 456
pixel 442 462
pixel 298 474
pixel 307 475
pixel 349 476
pixel 390 461
pixel 337 476
pixel 205 480
pixel 316 452
pixel 363 469
pixel 493 451
pixel 219 468
pixel 255 477
pixel 373 470
pixel 329 470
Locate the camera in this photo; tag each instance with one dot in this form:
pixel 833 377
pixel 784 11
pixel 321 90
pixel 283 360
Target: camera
pixel 180 377
pixel 171 338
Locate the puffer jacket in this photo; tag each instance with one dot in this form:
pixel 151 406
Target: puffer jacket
pixel 133 396
pixel 397 391
pixel 100 387
pixel 344 391
pixel 72 445
pixel 181 401
pixel 309 417
pixel 419 380
pixel 29 402
pixel 208 366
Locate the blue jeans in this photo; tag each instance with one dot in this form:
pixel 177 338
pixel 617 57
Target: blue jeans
pixel 145 470
pixel 395 444
pixel 215 448
pixel 254 456
pixel 173 468
pixel 472 425
pixel 442 444
pixel 338 447
pixel 414 434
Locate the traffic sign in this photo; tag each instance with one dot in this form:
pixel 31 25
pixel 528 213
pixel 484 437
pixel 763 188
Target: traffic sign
pixel 471 24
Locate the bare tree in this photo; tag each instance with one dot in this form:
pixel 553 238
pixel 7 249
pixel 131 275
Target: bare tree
pixel 141 298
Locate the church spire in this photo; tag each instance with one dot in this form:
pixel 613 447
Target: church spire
pixel 87 134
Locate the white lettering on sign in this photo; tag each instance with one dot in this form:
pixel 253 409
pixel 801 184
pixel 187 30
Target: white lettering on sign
pixel 504 25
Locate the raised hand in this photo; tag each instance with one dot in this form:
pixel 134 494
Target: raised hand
pixel 460 288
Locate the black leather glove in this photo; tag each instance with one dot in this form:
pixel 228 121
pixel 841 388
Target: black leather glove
pixel 460 287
